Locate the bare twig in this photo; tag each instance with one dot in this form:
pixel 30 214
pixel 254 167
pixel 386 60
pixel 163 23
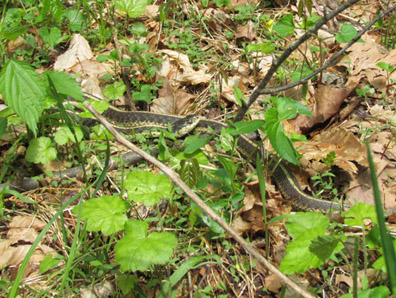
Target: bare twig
pixel 174 177
pixel 294 45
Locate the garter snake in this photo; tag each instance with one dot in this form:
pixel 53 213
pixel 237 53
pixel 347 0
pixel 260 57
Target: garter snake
pixel 128 121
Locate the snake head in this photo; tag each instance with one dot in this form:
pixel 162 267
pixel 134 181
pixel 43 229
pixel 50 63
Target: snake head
pixel 185 125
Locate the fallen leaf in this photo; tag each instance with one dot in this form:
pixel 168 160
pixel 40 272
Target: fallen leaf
pixel 79 50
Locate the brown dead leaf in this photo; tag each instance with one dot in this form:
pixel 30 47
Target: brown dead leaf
pixel 92 68
pixel 240 226
pixel 347 148
pixel 79 50
pixel 12 255
pixel 328 100
pixel 172 101
pixel 27 221
pixel 273 283
pixel 247 31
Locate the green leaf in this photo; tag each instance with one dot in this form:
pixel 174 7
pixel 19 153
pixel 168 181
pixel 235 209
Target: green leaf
pixel 40 151
pixel 3 126
pixel 48 263
pixel 285 26
pixel 238 95
pixel 348 32
pixel 229 166
pixel 189 171
pixel 194 143
pixel 137 251
pixel 143 95
pixel 288 108
pixel 115 90
pixel 300 72
pixel 307 225
pixel 265 48
pixel 147 188
pixel 63 135
pixel 386 66
pixel 308 230
pixel 105 214
pixel 51 37
pixel 77 20
pixel 323 246
pixel 245 127
pixel 99 105
pixel 11 25
pixel 278 138
pixel 134 8
pixel 23 92
pixel 65 84
pixel 138 29
pixel 356 215
pixel 126 282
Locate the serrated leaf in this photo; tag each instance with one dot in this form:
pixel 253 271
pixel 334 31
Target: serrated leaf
pixel 40 150
pixel 147 188
pixel 134 8
pixel 323 246
pixel 137 251
pixel 115 90
pixel 348 32
pixel 65 84
pixel 52 36
pixel 23 92
pixel 105 214
pixel 356 215
pixel 307 225
pixel 285 26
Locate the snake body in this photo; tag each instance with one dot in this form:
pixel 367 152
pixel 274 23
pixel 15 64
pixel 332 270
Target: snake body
pixel 128 121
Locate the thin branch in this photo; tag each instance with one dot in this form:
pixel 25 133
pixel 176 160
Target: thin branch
pixel 174 177
pixel 294 45
pixel 332 61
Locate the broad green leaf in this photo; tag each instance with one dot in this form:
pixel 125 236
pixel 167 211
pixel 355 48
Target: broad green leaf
pixel 285 26
pixel 23 92
pixel 11 25
pixel 40 150
pixel 377 292
pixel 323 246
pixel 65 84
pixel 278 138
pixel 245 127
pixel 194 143
pixel 52 37
pixel 288 108
pixel 147 188
pixel 299 73
pixel 63 135
pixel 99 105
pixel 134 8
pixel 189 171
pixel 126 282
pixel 138 29
pixel 307 225
pixel 105 214
pixel 356 215
pixel 308 230
pixel 143 95
pixel 348 32
pixel 265 48
pixel 386 66
pixel 229 166
pixel 48 263
pixel 115 90
pixel 77 21
pixel 137 251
